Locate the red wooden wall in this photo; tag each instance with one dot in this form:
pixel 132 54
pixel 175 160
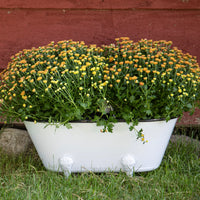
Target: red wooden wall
pixel 28 23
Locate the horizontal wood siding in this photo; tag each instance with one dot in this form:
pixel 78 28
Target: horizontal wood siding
pixel 102 4
pixel 24 24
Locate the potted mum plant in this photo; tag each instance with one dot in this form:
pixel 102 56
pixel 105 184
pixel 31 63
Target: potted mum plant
pixel 133 91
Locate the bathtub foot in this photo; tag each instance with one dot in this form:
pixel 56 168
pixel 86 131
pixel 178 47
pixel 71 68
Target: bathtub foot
pixel 128 163
pixel 66 163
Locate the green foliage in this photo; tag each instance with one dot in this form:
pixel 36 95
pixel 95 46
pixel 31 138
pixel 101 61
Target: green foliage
pixel 69 81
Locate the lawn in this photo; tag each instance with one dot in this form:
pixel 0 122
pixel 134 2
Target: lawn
pixel 24 178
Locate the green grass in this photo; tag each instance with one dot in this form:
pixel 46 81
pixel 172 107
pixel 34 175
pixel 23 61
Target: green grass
pixel 191 131
pixel 178 177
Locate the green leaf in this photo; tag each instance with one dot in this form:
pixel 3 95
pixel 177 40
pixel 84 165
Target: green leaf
pixel 96 118
pixel 148 112
pixel 167 118
pixel 157 116
pixel 68 125
pixel 131 128
pixel 110 127
pixel 131 99
pixel 84 105
pixel 77 113
pixel 189 106
pixel 126 116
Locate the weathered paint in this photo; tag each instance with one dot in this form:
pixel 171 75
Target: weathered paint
pixel 191 120
pixel 102 4
pixel 24 28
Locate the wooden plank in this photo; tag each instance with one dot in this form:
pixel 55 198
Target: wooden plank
pixel 187 119
pixel 22 29
pixel 102 4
